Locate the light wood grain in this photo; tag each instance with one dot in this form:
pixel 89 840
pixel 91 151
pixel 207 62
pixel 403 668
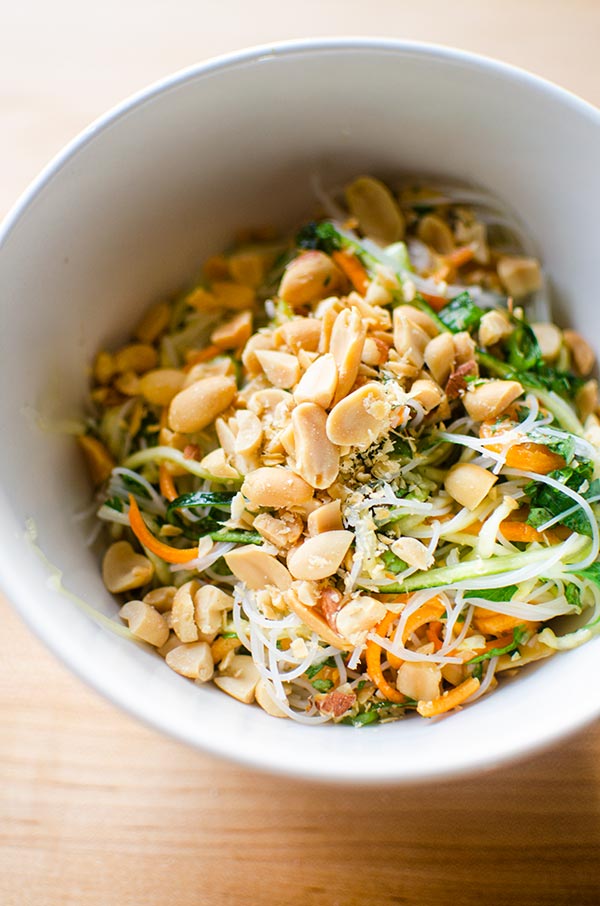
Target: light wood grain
pixel 96 809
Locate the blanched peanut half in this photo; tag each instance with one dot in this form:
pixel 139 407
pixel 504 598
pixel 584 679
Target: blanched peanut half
pixel 198 405
pixel 210 603
pixel 419 681
pixel 300 333
pixel 327 518
pixel 308 278
pixel 240 679
pixel 276 487
pixel 317 458
pixel 439 357
pixel 183 612
pixel 137 357
pixel 490 399
pixel 319 382
pixel 249 435
pixel 281 368
pixel 494 326
pixel 586 398
pixel 234 333
pixel 357 617
pixel 435 232
pixel 375 352
pixel 221 647
pixel 161 598
pixel 469 484
pixel 464 347
pixel 194 661
pixel 413 552
pixel 319 557
pixel 216 463
pixel 265 697
pixel 420 318
pixel 410 340
pixel 145 623
pixel 376 210
pixel 222 365
pixel 256 568
pixel 360 418
pixel 160 385
pixel 346 346
pixel 123 569
pixel 581 352
pixel 427 393
pixel 153 323
pixel 549 338
pixel 519 276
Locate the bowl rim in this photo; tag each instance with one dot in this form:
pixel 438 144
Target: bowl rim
pixel 18 596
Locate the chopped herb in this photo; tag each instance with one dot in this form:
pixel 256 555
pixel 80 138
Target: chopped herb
pixel 115 503
pixel 591 572
pixel 393 563
pixel 136 487
pixel 322 236
pixel 461 314
pixel 573 595
pixel 361 720
pixel 519 636
pixel 493 594
pixel 229 635
pixel 219 499
pixel 548 502
pixel 477 671
pixel 238 536
pixel 316 668
pixel 522 347
pixel 322 685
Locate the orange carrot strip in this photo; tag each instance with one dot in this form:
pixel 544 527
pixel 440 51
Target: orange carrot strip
pixel 353 269
pixel 431 610
pixel 460 256
pixel 374 661
pixel 534 458
pixel 147 539
pixel 166 483
pixel 436 302
pixel 433 634
pixel 448 700
pixel 521 531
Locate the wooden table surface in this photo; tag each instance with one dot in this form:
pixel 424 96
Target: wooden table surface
pixel 96 809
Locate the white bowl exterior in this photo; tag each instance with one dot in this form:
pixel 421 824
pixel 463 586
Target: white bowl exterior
pixel 128 214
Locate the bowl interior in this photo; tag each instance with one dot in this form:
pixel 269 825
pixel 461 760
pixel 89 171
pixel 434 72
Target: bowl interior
pixel 127 216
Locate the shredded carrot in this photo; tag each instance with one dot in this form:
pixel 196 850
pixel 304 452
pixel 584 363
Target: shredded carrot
pixel 490 623
pixel 450 699
pixel 147 539
pixel 460 256
pixel 373 657
pixel 353 269
pixel 196 356
pixel 166 483
pixel 534 458
pixel 521 531
pixel 436 302
pixel 433 634
pixel 429 611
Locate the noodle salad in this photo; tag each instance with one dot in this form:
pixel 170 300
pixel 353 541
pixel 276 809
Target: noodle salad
pixel 354 473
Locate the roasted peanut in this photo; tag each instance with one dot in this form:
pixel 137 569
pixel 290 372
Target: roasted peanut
pixel 439 357
pixel 469 484
pixel 313 619
pixel 160 385
pixel 136 357
pixel 376 210
pixel 248 268
pixel 419 681
pixel 413 552
pixel 183 611
pixel 346 346
pixel 326 518
pixel 209 605
pixel 194 661
pixel 232 295
pixel 464 347
pixel 123 569
pixel 427 393
pixel 320 556
pixel 249 433
pixel 265 697
pixel 282 532
pixel 257 568
pixel 240 680
pixel 317 458
pixel 410 340
pixel 549 339
pixel 299 333
pixel 281 368
pixel 436 233
pixel 276 487
pixel 234 333
pixel 494 327
pixel 519 276
pixel 420 318
pixel 358 616
pixel 161 598
pixel 581 352
pixel 491 398
pixel 308 278
pixel 216 463
pixel 98 460
pixel 145 623
pixel 256 342
pixel 198 405
pixel 586 398
pixel 360 418
pixel 153 323
pixel 319 382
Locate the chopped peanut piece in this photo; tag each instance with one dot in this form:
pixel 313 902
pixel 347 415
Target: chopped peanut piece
pixel 494 327
pixel 357 617
pixel 490 399
pixel 265 697
pixel 281 368
pixel 276 487
pixel 581 352
pixel 161 598
pixel 309 277
pixel 319 382
pixel 98 460
pixel 549 339
pixel 439 357
pixel 198 405
pixel 360 418
pixel 321 556
pixel 257 568
pixel 326 518
pixel 317 458
pixel 419 681
pixel 210 604
pixel 145 623
pixel 182 612
pixel 240 680
pixel 436 233
pixel 375 209
pixel 469 484
pixel 123 569
pixel 520 276
pixel 234 333
pixel 194 661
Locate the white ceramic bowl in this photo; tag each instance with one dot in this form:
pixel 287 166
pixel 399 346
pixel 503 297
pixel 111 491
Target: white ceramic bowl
pixel 127 213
